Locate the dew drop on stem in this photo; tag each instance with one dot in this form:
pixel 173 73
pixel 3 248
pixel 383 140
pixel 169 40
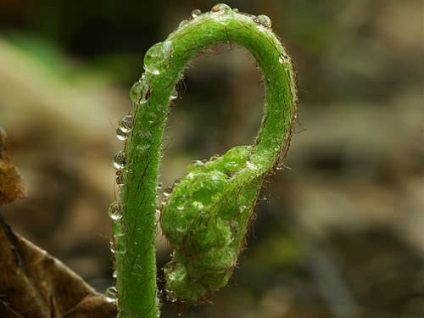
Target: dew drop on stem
pixel 221 8
pixel 140 92
pixel 126 123
pixel 111 294
pixel 118 247
pixel 116 211
pixel 195 13
pixel 121 248
pixel 121 134
pixel 112 247
pixel 152 55
pixel 283 58
pixel 157 57
pixel 119 178
pixel 119 160
pixel 174 95
pixel 167 192
pixel 263 20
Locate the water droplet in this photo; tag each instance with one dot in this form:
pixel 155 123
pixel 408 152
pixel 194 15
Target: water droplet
pixel 140 92
pixel 283 58
pixel 115 274
pixel 126 123
pixel 157 57
pixel 263 20
pixel 118 247
pixel 121 134
pixel 112 247
pixel 151 58
pixel 195 13
pixel 221 8
pixel 119 178
pixel 174 95
pixel 167 48
pixel 111 294
pixel 119 160
pixel 116 211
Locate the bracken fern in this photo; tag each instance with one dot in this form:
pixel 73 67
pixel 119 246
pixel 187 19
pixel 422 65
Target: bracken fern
pixel 206 216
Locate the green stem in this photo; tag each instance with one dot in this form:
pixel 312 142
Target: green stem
pixel 164 65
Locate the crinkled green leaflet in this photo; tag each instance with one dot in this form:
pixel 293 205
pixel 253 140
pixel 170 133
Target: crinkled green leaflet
pixel 206 216
pixel 205 219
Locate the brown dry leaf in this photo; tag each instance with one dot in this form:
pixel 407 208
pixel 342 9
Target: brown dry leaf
pixel 32 282
pixel 11 183
pixel 35 284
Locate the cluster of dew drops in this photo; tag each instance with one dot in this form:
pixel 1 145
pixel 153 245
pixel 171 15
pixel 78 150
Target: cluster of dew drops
pixel 139 95
pixel 122 132
pixel 116 209
pixel 263 22
pixel 222 9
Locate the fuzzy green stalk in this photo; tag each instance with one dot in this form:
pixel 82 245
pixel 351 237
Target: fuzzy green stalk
pixel 216 193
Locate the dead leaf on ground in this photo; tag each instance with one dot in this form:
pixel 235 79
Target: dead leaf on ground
pixel 11 183
pixel 32 282
pixel 35 284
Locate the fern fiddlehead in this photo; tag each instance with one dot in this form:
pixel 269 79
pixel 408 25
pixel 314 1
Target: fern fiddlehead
pixel 206 216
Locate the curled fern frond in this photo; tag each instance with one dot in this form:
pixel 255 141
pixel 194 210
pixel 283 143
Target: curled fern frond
pixel 205 218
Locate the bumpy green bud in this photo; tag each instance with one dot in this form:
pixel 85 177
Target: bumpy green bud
pixel 205 219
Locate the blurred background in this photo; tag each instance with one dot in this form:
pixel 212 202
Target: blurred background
pixel 338 233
